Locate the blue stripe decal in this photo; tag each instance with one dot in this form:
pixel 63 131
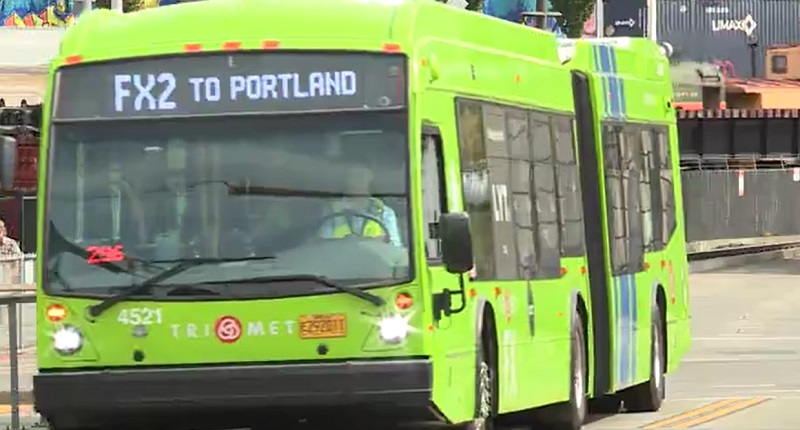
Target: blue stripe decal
pixel 612 81
pixel 619 94
pixel 614 102
pixel 617 352
pixel 605 67
pixel 635 321
pixel 621 88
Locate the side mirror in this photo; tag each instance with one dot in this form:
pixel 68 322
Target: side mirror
pixel 8 161
pixel 456 242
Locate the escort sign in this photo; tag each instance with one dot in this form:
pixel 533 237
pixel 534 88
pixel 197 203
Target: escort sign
pixel 219 84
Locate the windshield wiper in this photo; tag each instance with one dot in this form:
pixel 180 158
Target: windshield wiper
pixel 353 291
pixel 182 266
pixel 262 190
pixel 190 290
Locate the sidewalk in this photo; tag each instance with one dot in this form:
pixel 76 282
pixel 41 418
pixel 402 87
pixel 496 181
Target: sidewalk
pixel 708 245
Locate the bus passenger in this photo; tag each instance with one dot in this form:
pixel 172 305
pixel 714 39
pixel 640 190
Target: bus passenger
pixel 357 186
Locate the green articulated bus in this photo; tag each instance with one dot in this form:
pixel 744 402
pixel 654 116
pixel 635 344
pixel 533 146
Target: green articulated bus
pixel 361 211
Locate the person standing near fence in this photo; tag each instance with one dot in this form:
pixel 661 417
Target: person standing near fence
pixel 11 257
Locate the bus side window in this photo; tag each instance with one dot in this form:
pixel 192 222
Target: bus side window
pixel 434 197
pixel 667 186
pixel 544 192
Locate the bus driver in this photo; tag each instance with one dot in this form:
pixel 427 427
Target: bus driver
pixel 357 185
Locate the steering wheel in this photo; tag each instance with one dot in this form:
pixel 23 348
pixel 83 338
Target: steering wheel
pixel 349 214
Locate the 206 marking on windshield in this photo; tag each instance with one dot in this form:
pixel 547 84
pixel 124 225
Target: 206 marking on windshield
pixel 104 254
pixel 140 316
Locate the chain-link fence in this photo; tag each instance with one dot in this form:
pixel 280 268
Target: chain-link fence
pixel 732 204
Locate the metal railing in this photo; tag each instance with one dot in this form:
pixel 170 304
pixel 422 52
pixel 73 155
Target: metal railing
pixel 17 292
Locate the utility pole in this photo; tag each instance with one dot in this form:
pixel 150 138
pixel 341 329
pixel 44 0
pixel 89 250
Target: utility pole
pixel 541 7
pixel 599 19
pixel 84 6
pixel 652 20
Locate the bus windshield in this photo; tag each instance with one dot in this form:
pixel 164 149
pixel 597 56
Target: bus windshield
pixel 321 195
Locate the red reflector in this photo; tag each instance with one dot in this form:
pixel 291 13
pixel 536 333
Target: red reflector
pixel 403 301
pixel 192 47
pixel 391 47
pixel 231 46
pixel 270 44
pixel 73 59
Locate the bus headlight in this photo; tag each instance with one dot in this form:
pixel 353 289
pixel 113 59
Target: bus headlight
pixel 67 340
pixel 393 329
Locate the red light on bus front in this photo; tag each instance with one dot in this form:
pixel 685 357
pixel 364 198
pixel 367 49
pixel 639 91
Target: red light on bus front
pixel 270 44
pixel 231 46
pixel 391 47
pixel 73 59
pixel 55 313
pixel 403 301
pixel 192 47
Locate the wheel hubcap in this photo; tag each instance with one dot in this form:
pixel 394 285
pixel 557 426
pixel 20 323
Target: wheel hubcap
pixel 577 380
pixel 657 365
pixel 485 393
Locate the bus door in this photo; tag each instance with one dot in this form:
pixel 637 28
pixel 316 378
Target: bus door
pixel 590 184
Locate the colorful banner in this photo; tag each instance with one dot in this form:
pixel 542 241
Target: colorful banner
pixel 36 13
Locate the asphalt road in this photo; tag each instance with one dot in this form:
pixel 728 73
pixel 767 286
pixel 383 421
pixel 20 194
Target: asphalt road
pixel 743 371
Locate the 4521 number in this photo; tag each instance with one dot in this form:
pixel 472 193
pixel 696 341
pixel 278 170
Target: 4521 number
pixel 139 316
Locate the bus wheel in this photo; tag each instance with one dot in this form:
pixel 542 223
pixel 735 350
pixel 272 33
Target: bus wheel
pixel 486 384
pixel 570 415
pixel 648 396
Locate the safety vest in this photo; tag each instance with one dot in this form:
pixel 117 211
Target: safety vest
pixel 369 228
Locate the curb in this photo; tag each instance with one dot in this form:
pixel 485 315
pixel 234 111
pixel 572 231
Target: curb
pixel 701 266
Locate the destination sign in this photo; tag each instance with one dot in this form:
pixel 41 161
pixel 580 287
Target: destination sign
pixel 226 83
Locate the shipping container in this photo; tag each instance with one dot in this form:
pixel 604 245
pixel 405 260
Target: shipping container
pixel 729 33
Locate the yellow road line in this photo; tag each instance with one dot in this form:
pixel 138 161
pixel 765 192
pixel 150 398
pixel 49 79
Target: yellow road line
pixel 719 413
pixel 666 423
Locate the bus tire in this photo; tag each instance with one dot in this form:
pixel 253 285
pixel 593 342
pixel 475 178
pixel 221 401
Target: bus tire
pixel 648 396
pixel 570 415
pixel 486 382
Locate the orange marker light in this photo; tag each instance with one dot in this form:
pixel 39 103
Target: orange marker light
pixel 73 59
pixel 391 47
pixel 646 266
pixel 55 313
pixel 231 46
pixel 403 301
pixel 517 78
pixel 563 271
pixel 192 47
pixel 270 44
pixel 497 291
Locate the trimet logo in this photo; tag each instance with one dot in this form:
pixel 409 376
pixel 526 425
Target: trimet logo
pixel 229 329
pixel 746 25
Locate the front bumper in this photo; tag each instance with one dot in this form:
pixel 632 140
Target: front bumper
pixel 245 395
